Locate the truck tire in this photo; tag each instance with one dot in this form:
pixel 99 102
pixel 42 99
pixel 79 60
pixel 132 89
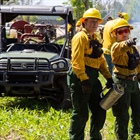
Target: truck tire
pixel 65 102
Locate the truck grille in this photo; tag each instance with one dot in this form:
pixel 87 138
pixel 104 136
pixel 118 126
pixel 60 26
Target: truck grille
pixel 24 64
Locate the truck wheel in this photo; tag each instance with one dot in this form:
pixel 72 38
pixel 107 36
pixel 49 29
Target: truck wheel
pixel 65 101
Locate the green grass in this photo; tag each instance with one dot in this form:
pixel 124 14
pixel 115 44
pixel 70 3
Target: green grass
pixel 32 119
pixel 35 119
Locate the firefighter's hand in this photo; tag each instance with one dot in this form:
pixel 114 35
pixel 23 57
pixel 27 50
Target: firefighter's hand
pixel 109 83
pixel 131 42
pixel 86 86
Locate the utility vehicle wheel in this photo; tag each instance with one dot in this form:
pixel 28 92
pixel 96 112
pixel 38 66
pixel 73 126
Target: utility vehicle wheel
pixel 65 100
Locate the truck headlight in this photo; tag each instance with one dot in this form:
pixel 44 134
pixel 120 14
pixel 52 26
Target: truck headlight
pixel 61 65
pixel 54 66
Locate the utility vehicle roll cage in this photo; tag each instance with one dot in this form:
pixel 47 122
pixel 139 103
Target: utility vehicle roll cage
pixel 8 13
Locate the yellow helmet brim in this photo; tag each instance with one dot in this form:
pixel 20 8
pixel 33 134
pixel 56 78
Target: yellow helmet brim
pixel 83 19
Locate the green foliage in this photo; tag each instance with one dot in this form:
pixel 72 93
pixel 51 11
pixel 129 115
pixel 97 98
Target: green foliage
pixel 30 18
pixel 33 18
pixel 61 41
pixel 107 8
pixel 78 8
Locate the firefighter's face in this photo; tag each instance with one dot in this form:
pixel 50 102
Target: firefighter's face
pixel 122 33
pixel 91 24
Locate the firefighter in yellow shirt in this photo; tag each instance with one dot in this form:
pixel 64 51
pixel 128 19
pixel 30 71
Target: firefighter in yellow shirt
pixel 126 59
pixel 108 39
pixel 87 61
pixel 99 33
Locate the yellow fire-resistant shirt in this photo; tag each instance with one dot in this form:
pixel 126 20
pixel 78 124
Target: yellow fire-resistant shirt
pixel 119 56
pixel 108 39
pixel 80 47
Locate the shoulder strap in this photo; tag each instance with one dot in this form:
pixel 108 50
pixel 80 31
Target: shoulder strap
pixel 87 34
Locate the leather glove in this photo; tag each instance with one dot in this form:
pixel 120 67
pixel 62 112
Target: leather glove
pixel 109 83
pixel 131 42
pixel 86 86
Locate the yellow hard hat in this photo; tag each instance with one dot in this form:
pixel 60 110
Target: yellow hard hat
pixel 69 27
pixel 124 15
pixel 92 13
pixel 78 23
pixel 121 23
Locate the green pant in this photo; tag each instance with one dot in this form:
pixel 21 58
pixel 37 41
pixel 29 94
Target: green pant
pixel 131 98
pixel 82 103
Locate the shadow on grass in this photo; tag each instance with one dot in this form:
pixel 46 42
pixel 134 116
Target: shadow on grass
pixel 25 102
pixel 32 103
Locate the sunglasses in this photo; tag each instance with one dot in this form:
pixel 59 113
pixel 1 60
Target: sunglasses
pixel 123 31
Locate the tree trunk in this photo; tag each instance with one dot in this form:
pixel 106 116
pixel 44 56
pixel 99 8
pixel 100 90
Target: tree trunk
pixel 1 2
pixel 85 2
